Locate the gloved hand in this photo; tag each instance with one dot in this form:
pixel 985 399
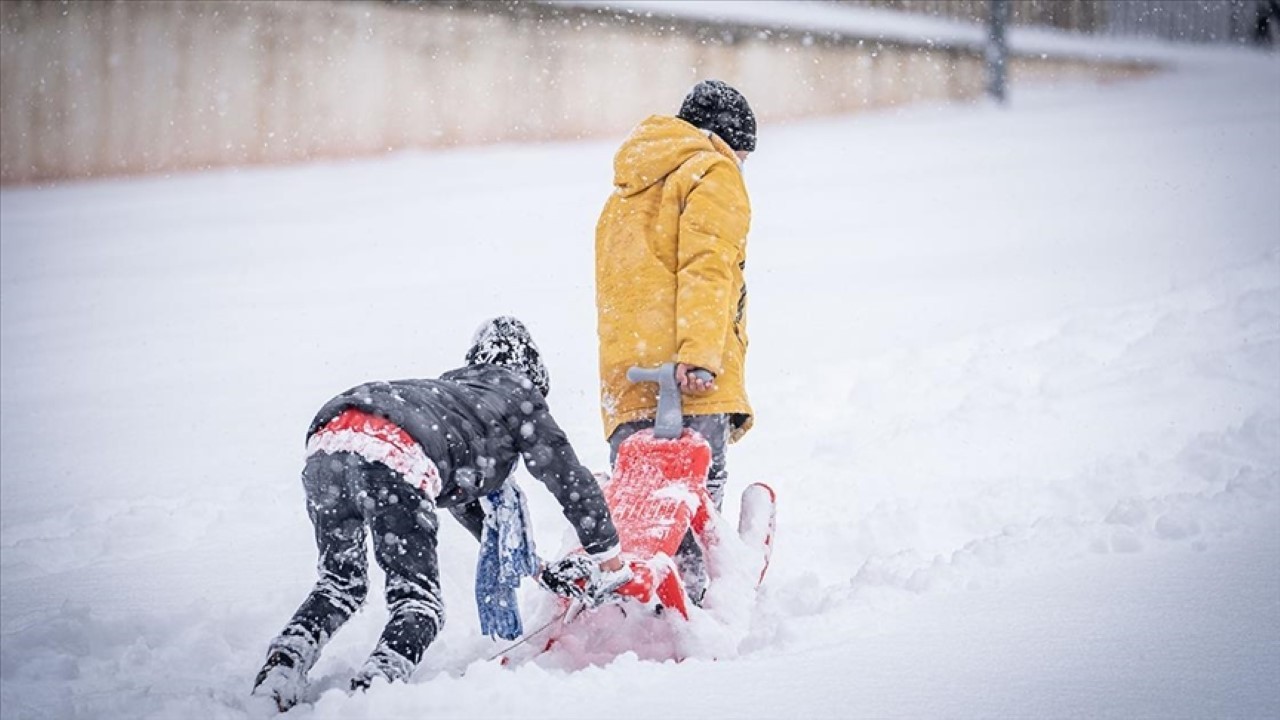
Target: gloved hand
pixel 577 576
pixel 567 576
pixel 607 583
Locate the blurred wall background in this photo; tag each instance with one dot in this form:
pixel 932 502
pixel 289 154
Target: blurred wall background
pixel 116 87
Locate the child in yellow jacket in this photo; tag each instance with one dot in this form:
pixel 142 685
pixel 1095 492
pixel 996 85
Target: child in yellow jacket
pixel 671 247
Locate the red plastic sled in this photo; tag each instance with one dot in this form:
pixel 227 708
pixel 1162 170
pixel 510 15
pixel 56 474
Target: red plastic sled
pixel 658 492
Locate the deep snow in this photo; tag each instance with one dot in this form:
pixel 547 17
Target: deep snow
pixel 1017 375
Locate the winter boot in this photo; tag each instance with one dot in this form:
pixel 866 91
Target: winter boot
pixel 282 679
pixel 693 569
pixel 385 664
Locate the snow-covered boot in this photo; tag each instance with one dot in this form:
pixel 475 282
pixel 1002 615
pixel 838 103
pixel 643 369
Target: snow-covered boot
pixel 693 569
pixel 385 664
pixel 282 679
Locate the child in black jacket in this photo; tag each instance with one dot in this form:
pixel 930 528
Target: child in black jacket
pixel 386 455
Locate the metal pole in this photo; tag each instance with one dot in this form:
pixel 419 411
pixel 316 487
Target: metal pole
pixel 997 50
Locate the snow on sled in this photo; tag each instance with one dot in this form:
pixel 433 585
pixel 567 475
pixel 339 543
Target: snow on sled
pixel 657 494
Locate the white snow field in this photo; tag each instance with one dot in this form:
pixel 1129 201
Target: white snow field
pixel 1016 370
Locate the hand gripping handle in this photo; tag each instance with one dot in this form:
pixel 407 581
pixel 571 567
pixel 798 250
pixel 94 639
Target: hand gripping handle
pixel 669 422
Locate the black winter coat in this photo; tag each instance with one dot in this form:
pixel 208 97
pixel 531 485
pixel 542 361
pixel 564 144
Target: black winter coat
pixel 473 422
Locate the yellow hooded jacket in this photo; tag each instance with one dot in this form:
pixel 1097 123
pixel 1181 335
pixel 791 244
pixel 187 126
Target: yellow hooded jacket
pixel 671 247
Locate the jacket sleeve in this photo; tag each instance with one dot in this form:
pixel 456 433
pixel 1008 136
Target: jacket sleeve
pixel 713 231
pixel 549 458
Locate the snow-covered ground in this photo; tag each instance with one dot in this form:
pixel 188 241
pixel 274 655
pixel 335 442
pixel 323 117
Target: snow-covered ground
pixel 1017 374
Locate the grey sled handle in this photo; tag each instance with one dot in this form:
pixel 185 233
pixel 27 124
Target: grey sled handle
pixel 669 422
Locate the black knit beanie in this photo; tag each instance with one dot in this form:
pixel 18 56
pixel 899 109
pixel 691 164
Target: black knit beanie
pixel 714 105
pixel 506 341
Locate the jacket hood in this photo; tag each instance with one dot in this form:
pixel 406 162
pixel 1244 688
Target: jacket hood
pixel 655 148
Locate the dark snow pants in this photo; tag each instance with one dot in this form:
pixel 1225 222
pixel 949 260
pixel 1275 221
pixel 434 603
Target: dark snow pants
pixel 715 428
pixel 346 494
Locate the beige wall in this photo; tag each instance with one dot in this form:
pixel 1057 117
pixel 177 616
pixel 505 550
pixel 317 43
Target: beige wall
pixel 102 88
